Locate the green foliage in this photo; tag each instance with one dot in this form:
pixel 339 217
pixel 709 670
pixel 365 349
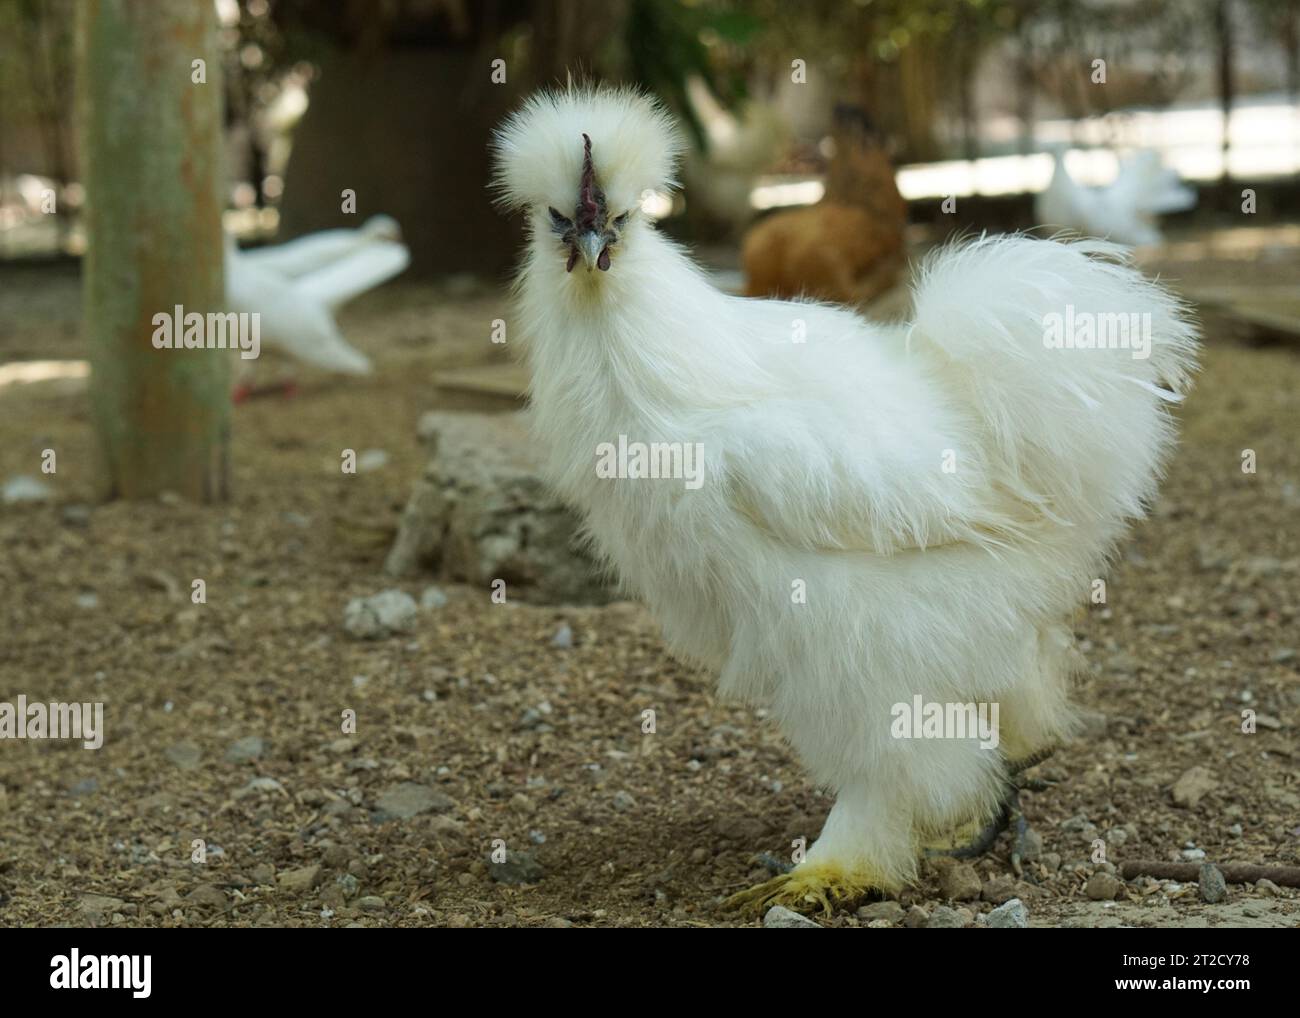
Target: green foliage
pixel 670 41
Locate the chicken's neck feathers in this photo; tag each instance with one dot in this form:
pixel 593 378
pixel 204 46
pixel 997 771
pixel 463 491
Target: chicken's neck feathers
pixel 652 341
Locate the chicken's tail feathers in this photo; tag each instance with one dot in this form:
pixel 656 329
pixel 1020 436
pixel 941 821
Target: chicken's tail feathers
pixel 1068 356
pixel 354 274
pixel 1146 185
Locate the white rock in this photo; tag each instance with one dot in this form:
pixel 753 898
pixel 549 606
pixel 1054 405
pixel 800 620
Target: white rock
pixel 25 489
pixel 371 459
pixel 389 611
pixel 480 510
pixel 781 918
pixel 1010 915
pixel 563 637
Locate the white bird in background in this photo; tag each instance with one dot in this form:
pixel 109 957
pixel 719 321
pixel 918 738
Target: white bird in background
pixel 740 147
pixel 886 512
pixel 1124 211
pixel 297 286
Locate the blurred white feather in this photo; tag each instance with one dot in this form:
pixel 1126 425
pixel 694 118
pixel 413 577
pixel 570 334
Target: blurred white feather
pixel 1124 211
pixel 740 148
pixel 296 287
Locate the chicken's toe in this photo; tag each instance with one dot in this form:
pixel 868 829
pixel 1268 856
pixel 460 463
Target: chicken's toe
pixel 808 888
pixel 970 840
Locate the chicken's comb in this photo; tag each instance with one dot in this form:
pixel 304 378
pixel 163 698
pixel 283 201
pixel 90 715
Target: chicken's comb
pixel 590 196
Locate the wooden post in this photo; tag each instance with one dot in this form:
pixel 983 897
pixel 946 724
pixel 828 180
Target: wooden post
pixel 1223 29
pixel 151 163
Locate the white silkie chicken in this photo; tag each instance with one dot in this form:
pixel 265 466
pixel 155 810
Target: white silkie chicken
pixel 1125 210
pixel 885 512
pixel 296 287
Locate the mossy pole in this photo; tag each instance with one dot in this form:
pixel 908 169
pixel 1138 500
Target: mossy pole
pixel 150 136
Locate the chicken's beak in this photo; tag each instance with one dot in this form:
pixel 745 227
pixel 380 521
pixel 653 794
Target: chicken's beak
pixel 594 252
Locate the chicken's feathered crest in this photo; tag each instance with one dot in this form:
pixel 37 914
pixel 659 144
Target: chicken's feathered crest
pixel 541 154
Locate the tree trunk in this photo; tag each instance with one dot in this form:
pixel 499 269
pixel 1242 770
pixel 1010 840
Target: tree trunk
pixel 372 128
pixel 1026 85
pixel 1223 29
pixel 1290 25
pixel 151 144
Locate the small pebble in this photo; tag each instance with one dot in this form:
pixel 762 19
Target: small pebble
pixel 22 488
pixel 1009 915
pixel 371 459
pixel 518 868
pixel 207 896
pixel 76 515
pixel 999 890
pixel 563 638
pixel 1104 887
pixel 945 918
pixel 185 755
pixel 1194 784
pixel 245 750
pixel 408 799
pixel 300 880
pixel 372 618
pixel 781 918
pixel 1213 887
pixel 889 911
pixel 959 882
pixel 262 873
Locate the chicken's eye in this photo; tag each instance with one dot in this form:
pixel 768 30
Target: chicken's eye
pixel 620 220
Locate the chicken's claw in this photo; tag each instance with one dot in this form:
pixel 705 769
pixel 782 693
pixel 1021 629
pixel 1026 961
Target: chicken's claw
pixel 972 840
pixel 1015 767
pixel 774 864
pixel 969 841
pixel 808 888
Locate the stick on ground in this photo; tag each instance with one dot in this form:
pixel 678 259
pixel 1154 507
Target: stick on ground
pixel 1233 872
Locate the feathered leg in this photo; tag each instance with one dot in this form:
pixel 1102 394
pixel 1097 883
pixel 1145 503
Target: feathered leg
pixel 865 846
pixel 1035 717
pixel 973 839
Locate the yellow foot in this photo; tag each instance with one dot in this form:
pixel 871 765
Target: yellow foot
pixel 975 837
pixel 809 887
pixel 955 840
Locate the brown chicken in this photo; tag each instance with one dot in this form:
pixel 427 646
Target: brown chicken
pixel 847 248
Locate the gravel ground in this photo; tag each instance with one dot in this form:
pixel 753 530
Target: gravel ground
pixel 479 730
